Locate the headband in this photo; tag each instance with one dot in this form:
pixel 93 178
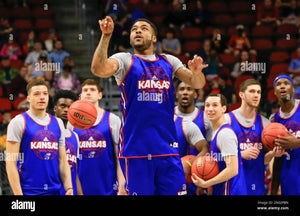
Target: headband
pixel 283 76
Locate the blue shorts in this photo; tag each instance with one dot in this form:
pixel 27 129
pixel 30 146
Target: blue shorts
pixel 154 176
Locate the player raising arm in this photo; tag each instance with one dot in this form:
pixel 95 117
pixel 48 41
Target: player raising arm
pixel 142 38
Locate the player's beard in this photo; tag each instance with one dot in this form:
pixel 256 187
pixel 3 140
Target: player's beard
pixel 141 46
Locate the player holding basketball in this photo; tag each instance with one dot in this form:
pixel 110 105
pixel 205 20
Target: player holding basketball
pixel 286 170
pixel 224 147
pixel 98 168
pixel 62 101
pixel 248 126
pixel 40 137
pixel 148 143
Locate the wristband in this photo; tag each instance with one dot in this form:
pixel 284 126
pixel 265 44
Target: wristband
pixel 69 189
pixel 189 163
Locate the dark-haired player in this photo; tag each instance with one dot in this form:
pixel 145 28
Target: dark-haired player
pixel 148 142
pixel 286 170
pixel 62 101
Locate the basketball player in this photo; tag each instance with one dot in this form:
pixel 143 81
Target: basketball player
pixel 248 126
pixel 98 168
pixel 148 141
pixel 190 142
pixel 40 137
pixel 62 101
pixel 186 96
pixel 224 148
pixel 286 170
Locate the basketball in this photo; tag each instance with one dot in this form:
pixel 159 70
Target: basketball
pixel 183 160
pixel 270 133
pixel 82 114
pixel 205 167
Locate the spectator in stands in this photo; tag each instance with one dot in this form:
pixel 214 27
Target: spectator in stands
pixel 200 14
pixel 227 90
pixel 5 30
pixel 120 35
pixel 170 44
pixel 214 63
pixel 289 12
pixel 267 13
pixel 294 66
pixel 177 17
pixel 50 41
pixel 29 44
pixel 7 73
pixel 18 84
pixel 11 49
pixel 204 52
pixel 33 57
pixel 58 55
pixel 113 7
pixel 6 118
pixel 239 42
pixel 139 9
pixel 67 81
pixel 237 70
pixel 217 41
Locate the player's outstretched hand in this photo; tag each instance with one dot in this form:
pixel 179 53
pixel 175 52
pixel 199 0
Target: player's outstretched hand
pixel 197 64
pixel 106 25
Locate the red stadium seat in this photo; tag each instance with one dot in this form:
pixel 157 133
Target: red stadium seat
pixel 40 12
pixel 271 96
pixel 279 57
pixel 192 33
pixel 277 69
pixel 16 63
pixel 44 23
pixel 22 24
pixel 222 20
pixel 227 58
pixel 17 101
pixel 245 18
pixel 239 6
pixel 285 29
pixel 284 44
pixel 262 44
pixel 217 7
pixel 262 31
pixel 5 104
pixel 191 46
pixel 15 112
pixel 21 12
pixel 233 107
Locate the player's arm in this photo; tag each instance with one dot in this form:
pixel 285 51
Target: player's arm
pixel 78 183
pixel 13 149
pixel 193 75
pixel 120 175
pixel 101 65
pixel 64 170
pixel 229 172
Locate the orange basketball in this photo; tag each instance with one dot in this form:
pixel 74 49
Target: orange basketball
pixel 205 167
pixel 82 114
pixel 183 160
pixel 270 133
